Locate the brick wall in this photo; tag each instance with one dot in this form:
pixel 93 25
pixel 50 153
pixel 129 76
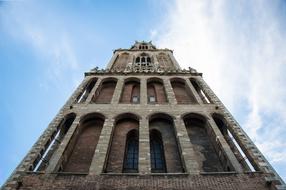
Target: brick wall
pixel 117 148
pixel 169 182
pixel 206 154
pixel 130 89
pixel 172 154
pixel 82 153
pixel 182 93
pixel 105 93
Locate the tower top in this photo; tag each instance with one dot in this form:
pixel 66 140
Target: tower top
pixel 143 45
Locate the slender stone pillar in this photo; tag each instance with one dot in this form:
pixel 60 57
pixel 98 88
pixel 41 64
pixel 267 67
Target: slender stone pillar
pixel 101 151
pixel 67 144
pixel 143 91
pixel 144 147
pixel 187 151
pixel 223 148
pixel 169 92
pixel 117 91
pixel 194 92
pixel 92 92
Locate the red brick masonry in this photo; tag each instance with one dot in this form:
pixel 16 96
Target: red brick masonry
pixel 254 181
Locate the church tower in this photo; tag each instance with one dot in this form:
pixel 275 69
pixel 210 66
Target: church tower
pixel 144 123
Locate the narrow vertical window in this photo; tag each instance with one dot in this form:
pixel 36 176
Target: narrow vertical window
pixel 157 153
pixel 80 158
pixel 131 153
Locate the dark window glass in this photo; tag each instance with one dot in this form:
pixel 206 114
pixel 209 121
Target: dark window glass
pixel 131 154
pixel 148 60
pixel 157 153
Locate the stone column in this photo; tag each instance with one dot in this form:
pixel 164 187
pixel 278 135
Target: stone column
pixel 101 152
pixel 187 151
pixel 68 142
pixel 224 151
pixel 194 92
pixel 117 91
pixel 143 91
pixel 144 147
pixel 92 92
pixel 169 92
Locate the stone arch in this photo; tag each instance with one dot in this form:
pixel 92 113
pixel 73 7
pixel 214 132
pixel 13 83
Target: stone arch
pixel 126 115
pixel 104 93
pixel 124 123
pixel 200 136
pixel 121 61
pixel 182 92
pixel 165 125
pixel 53 143
pixel 156 91
pixel 88 133
pixel 131 91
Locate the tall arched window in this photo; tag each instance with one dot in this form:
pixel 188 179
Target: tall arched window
pixel 158 164
pixel 155 91
pixel 164 61
pixel 123 150
pixel 105 91
pixel 197 128
pixel 164 145
pixel 182 92
pixel 131 152
pixel 131 92
pixel 79 159
pixel 143 62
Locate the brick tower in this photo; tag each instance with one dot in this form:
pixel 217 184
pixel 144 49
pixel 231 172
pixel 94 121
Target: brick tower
pixel 144 123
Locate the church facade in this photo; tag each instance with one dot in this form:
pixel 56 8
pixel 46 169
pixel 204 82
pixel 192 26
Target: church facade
pixel 144 123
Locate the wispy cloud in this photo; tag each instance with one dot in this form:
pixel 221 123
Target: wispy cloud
pixel 240 48
pixel 31 24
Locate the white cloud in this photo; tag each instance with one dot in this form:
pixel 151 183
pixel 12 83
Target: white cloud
pixel 50 41
pixel 240 48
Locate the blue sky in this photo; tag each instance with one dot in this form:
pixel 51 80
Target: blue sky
pixel 46 46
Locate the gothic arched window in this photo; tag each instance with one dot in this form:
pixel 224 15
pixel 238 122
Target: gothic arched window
pixel 182 92
pixel 123 149
pixel 158 164
pixel 143 62
pixel 131 152
pixel 155 91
